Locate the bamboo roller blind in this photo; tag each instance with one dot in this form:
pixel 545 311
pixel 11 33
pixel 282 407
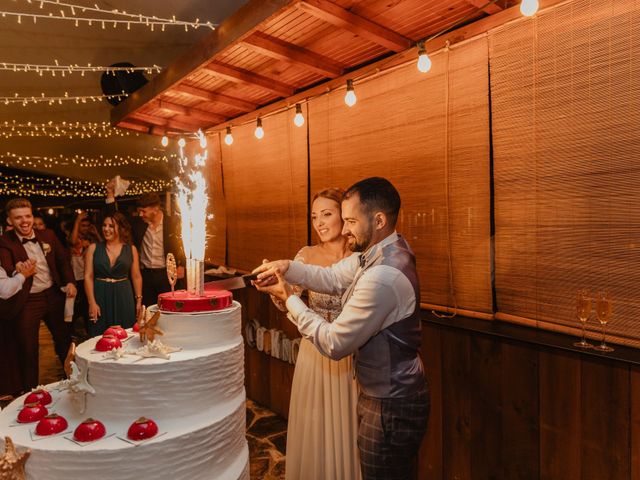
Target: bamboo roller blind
pixel 429 135
pixel 217 225
pixel 265 185
pixel 565 90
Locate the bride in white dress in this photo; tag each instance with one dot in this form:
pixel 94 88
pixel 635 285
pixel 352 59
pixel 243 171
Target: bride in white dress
pixel 322 429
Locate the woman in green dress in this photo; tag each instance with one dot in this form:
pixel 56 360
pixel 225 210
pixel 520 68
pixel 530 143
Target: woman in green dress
pixel 111 267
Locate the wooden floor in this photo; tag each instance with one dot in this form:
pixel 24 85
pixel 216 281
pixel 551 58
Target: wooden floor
pixel 266 431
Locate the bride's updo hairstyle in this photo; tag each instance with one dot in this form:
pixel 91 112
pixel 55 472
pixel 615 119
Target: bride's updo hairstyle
pixel 334 194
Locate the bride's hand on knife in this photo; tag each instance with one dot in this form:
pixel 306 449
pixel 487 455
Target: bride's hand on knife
pixel 280 289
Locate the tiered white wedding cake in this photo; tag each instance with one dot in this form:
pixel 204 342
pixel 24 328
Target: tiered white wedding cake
pixel 195 395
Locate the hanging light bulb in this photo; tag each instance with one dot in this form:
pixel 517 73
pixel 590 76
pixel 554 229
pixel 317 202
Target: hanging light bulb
pixel 228 138
pixel 50 211
pixel 350 97
pixel 203 141
pixel 298 120
pixel 528 8
pixel 165 141
pixel 259 133
pixel 424 62
pixel 181 143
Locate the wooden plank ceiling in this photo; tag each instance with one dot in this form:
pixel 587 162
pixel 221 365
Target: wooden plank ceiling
pixel 272 49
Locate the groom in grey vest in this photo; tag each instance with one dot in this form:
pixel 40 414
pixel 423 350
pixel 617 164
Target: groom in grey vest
pixel 379 324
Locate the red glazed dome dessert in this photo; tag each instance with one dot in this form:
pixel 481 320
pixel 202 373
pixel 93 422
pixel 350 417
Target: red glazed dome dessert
pixel 40 396
pixel 32 412
pixel 51 424
pixel 89 431
pixel 116 331
pixel 108 342
pixel 142 429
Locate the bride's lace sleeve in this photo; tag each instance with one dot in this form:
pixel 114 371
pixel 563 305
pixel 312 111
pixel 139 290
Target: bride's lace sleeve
pixel 280 305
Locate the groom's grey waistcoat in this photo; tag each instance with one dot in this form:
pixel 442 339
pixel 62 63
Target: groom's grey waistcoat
pixel 388 365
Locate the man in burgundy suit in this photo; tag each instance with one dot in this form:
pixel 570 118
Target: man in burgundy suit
pixel 41 297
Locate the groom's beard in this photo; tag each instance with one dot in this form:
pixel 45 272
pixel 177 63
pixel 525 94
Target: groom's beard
pixel 361 242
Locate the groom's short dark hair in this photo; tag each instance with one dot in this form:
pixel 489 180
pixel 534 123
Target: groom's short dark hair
pixel 377 194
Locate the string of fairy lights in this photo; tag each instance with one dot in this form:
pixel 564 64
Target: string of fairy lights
pixel 10 159
pixel 26 100
pixel 19 184
pixel 64 70
pixel 68 12
pixel 25 185
pixel 528 8
pixel 63 129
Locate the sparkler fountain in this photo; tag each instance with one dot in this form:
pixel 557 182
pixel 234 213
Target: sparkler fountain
pixel 192 200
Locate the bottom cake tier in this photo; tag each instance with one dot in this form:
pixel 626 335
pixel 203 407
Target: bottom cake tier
pixel 204 446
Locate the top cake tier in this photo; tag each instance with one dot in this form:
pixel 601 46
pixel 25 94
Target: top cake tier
pixel 185 302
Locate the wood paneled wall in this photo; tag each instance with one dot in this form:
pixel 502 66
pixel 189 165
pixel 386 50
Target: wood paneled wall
pixel 505 409
pixel 500 408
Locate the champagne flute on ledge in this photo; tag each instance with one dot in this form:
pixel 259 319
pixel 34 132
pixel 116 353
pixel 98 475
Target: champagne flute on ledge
pixel 604 309
pixel 583 310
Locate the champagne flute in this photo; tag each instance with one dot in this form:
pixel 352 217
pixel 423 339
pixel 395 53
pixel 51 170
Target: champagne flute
pixel 583 310
pixel 604 309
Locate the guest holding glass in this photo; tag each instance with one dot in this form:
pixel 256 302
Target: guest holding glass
pixel 322 429
pixel 111 267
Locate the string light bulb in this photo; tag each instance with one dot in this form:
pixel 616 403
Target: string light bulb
pixel 165 141
pixel 182 143
pixel 424 62
pixel 298 120
pixel 528 8
pixel 51 211
pixel 350 97
pixel 259 133
pixel 203 140
pixel 228 138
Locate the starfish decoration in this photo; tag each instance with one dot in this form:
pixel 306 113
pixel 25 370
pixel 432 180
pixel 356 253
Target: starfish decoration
pixel 11 463
pixel 115 354
pixel 149 329
pixel 79 386
pixel 158 349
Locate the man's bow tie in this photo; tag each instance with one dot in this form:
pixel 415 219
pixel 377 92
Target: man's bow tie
pixel 27 240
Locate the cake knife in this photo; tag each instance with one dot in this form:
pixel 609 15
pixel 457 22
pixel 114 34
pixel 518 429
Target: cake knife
pixel 231 283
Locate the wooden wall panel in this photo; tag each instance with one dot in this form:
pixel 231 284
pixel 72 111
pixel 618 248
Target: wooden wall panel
pixel 635 422
pixel 430 454
pixel 605 420
pixel 513 410
pixel 456 405
pixel 486 425
pixel 520 412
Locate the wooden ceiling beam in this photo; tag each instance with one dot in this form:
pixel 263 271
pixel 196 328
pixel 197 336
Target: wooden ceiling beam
pixel 462 34
pixel 232 30
pixel 338 16
pixel 129 125
pixel 195 113
pixel 215 97
pixel 238 75
pixel 482 4
pixel 166 122
pixel 289 52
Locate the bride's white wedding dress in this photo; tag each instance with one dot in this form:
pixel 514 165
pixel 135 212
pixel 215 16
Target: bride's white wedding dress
pixel 322 431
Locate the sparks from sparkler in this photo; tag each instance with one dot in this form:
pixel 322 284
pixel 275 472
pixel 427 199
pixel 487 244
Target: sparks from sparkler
pixel 192 200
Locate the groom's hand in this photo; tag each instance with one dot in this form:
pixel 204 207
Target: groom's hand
pixel 267 272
